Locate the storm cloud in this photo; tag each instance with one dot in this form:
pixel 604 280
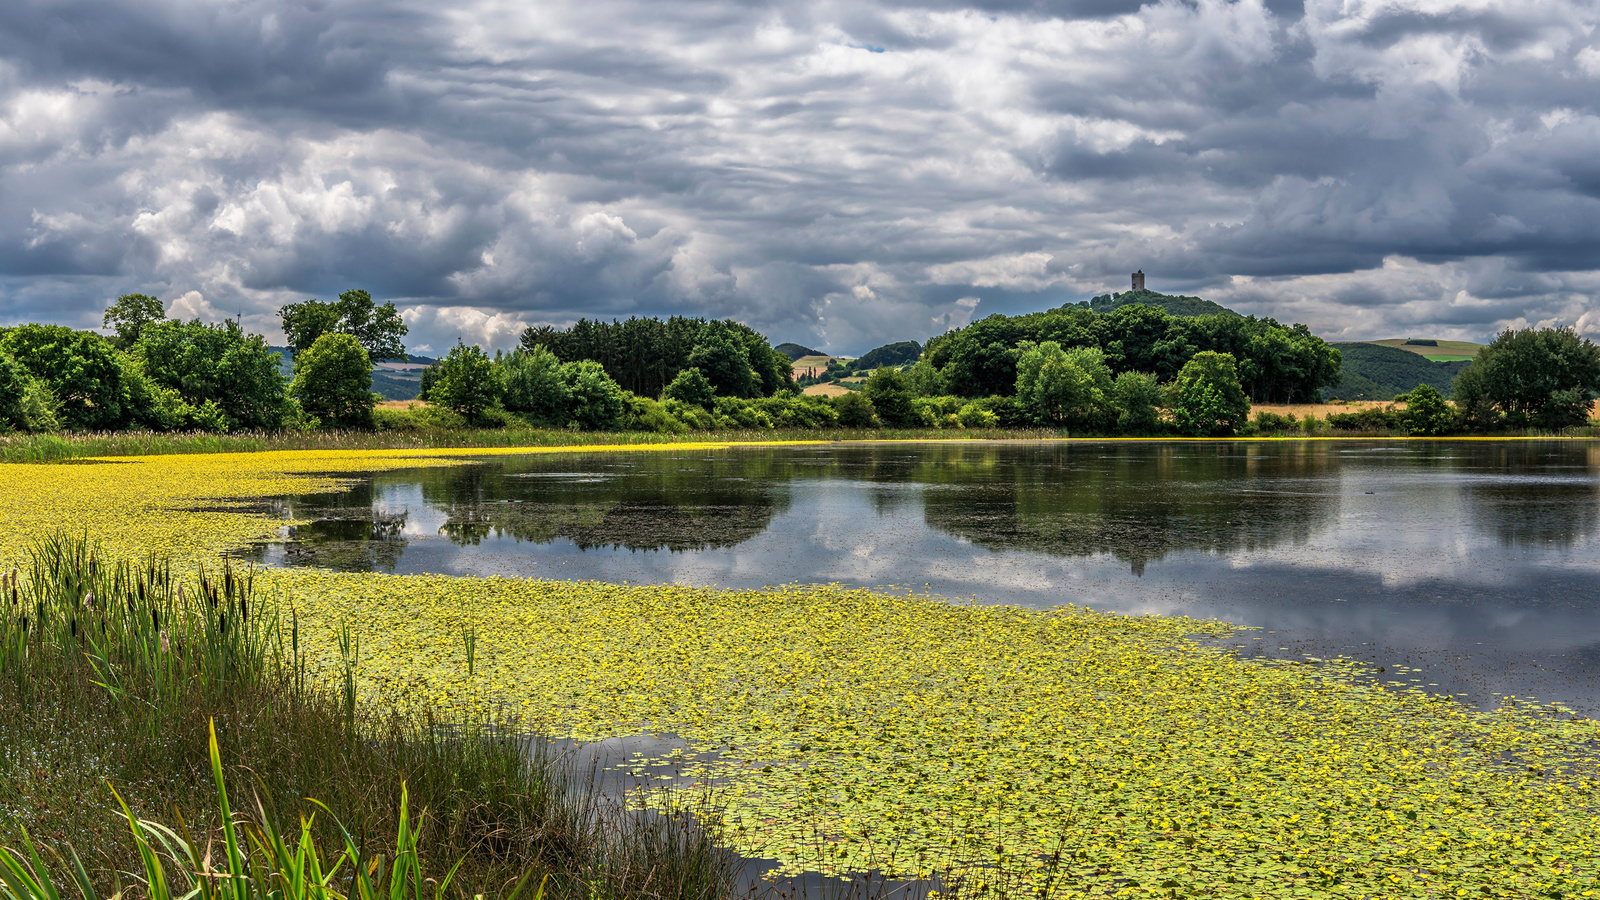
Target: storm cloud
pixel 837 174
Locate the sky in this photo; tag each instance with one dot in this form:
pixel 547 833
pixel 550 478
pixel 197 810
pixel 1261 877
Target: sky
pixel 837 174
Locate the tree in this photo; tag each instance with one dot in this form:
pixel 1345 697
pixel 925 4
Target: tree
pixel 333 381
pixel 890 393
pixel 1065 388
pixel 533 384
pixel 1427 412
pixel 597 400
pixel 1207 399
pixel 25 403
pixel 691 387
pixel 855 411
pixel 723 358
pixel 129 315
pixel 1137 396
pixel 218 364
pixel 79 367
pixel 1535 378
pixel 924 380
pixel 467 384
pixel 378 328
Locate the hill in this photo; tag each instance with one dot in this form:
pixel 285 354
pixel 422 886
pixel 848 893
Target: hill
pixel 393 380
pixel 1438 351
pixel 896 354
pixel 795 351
pixel 1373 371
pixel 1174 304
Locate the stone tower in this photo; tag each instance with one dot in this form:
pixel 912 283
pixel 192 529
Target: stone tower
pixel 1138 280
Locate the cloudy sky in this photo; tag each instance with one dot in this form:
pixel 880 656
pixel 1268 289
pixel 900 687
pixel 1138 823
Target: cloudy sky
pixel 839 174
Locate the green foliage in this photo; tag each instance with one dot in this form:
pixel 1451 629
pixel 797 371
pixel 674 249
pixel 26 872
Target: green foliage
pixel 26 403
pixel 645 355
pixel 798 411
pixel 691 387
pixel 417 418
pixel 429 377
pixel 1271 423
pixel 1206 397
pixel 219 365
pixel 1427 412
pixel 1376 372
pixel 81 370
pixel 855 411
pixel 1138 397
pixel 533 385
pixel 333 381
pixel 795 351
pixel 1275 363
pixel 597 400
pixel 896 354
pixel 467 384
pixel 1545 378
pixel 1172 304
pixel 1371 419
pixel 736 412
pixel 890 393
pixel 924 380
pixel 973 415
pixel 646 414
pixel 1062 388
pixel 129 315
pixel 378 328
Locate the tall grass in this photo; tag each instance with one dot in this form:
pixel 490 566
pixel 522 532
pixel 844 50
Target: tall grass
pixel 124 672
pixel 52 448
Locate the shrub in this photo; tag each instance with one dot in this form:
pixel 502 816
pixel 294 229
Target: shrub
pixel 333 381
pixel 597 403
pixel 1372 418
pixel 691 387
pixel 973 415
pixel 855 411
pixel 1268 422
pixel 645 414
pixel 1207 399
pixel 416 417
pixel 798 411
pixel 734 412
pixel 533 385
pixel 26 404
pixel 891 395
pixel 1427 413
pixel 81 370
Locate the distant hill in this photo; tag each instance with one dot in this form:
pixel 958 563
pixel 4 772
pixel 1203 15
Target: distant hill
pixel 795 351
pixel 394 380
pixel 1438 351
pixel 896 354
pixel 1174 304
pixel 1374 371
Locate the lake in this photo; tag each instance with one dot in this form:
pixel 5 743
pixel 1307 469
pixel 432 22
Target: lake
pixel 1465 566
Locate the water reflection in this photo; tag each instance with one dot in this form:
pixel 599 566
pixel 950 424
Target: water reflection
pixel 1477 556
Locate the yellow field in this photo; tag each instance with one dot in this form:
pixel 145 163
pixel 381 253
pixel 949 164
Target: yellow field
pixel 1320 410
pixel 826 390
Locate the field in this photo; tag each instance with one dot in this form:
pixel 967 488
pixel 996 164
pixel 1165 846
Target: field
pixel 1013 752
pixel 815 365
pixel 1320 410
pixel 1446 351
pixel 828 389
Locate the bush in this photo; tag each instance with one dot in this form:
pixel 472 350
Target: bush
pixel 533 385
pixel 333 381
pixel 691 387
pixel 1267 422
pixel 1427 413
pixel 416 417
pixel 81 370
pixel 891 395
pixel 1007 411
pixel 1207 399
pixel 973 415
pixel 798 411
pixel 597 403
pixel 645 414
pixel 1372 418
pixel 855 411
pixel 697 418
pixel 733 412
pixel 26 404
pixel 467 384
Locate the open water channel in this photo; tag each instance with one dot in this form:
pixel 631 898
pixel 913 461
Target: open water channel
pixel 1468 567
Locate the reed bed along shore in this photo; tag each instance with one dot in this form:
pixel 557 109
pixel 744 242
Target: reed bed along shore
pixel 121 675
pixel 1005 752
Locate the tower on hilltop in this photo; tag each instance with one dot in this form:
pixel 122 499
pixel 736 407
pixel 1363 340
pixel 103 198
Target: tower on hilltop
pixel 1138 280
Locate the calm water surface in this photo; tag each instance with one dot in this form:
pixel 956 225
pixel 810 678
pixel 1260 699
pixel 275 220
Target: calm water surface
pixel 1470 566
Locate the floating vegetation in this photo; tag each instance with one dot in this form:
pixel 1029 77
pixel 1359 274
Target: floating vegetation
pixel 1062 753
pixel 1009 752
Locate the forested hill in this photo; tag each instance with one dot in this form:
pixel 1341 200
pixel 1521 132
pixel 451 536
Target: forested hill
pixel 1277 363
pixel 1173 304
pixel 1376 372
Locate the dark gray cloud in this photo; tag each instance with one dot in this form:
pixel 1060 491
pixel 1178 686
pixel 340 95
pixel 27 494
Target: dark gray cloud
pixel 837 174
